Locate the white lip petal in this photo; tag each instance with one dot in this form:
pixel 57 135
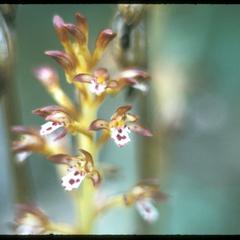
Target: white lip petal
pixel 147 210
pixel 97 88
pixel 141 86
pixel 22 156
pixel 24 229
pixel 120 135
pixel 29 230
pixel 30 226
pixel 128 73
pixel 50 127
pixel 73 179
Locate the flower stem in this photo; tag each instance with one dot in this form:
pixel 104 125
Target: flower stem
pixel 61 228
pixel 84 199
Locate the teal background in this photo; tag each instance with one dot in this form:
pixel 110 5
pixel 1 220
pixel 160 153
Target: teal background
pixel 203 166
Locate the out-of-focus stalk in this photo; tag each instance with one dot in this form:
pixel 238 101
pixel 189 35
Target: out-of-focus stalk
pixel 152 154
pixel 132 50
pixel 19 172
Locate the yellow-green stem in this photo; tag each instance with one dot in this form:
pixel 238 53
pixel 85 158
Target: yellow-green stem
pixel 61 228
pixel 84 199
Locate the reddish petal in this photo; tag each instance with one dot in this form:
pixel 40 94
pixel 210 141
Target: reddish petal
pixel 121 111
pixel 152 182
pixel 131 117
pixel 134 73
pixel 25 130
pixel 129 80
pixel 101 72
pixel 88 158
pixel 84 78
pixel 62 58
pixel 39 112
pixel 160 196
pixel 104 38
pixel 58 117
pixel 19 147
pixel 95 177
pixel 82 24
pixel 75 31
pixel 45 111
pixel 61 135
pixel 58 21
pixel 99 124
pixel 152 188
pixel 61 32
pixel 112 84
pixel 60 159
pixel 140 130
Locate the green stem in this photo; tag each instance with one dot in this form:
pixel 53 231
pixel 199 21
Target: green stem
pixel 84 198
pixel 61 228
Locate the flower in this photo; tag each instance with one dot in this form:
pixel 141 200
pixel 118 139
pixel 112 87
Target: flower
pixel 142 196
pixel 99 82
pixel 47 76
pixel 77 57
pixel 30 220
pixel 138 78
pixel 58 118
pixel 79 167
pixel 147 189
pixel 120 126
pixel 29 142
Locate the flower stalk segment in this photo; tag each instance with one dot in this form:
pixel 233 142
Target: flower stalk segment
pixel 80 173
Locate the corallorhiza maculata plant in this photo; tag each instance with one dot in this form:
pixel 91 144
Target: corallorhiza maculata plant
pixel 81 174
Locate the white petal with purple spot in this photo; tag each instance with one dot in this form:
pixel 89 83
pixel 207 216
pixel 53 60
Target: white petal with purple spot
pixel 97 88
pixel 50 127
pixel 147 210
pixel 120 135
pixel 73 179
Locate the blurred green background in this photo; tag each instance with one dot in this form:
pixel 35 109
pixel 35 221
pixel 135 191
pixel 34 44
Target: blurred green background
pixel 202 168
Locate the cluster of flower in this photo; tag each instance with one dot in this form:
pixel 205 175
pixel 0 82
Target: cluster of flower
pixel 93 85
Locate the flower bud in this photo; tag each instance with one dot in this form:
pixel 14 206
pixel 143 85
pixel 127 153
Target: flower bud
pixel 47 76
pixel 30 220
pixel 131 13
